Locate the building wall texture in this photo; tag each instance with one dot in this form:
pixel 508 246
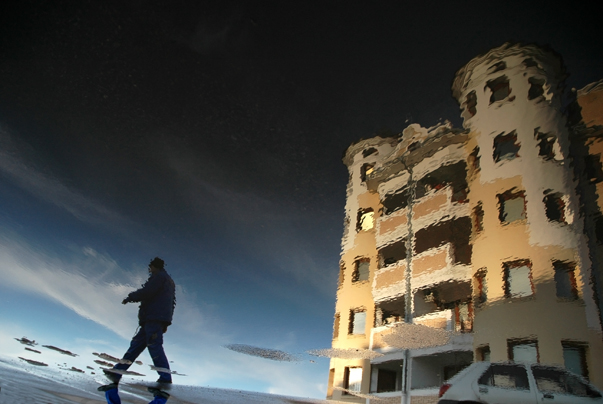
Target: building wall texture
pixel 475 243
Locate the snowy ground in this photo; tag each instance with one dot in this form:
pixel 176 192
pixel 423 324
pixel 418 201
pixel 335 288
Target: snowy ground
pixel 23 383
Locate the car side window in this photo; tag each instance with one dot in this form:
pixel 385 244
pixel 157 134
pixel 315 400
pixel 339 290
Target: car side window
pixel 551 380
pixel 506 376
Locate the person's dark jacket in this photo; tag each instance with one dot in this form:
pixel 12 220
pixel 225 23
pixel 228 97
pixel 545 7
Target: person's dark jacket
pixel 157 298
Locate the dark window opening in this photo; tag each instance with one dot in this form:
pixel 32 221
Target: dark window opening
pixel 414 146
pixel 499 88
pixel 470 104
pixel 547 143
pixel 386 380
pixel 457 232
pixel 463 316
pixel 454 175
pixel 594 172
pixel 536 88
pixel 361 270
pixel 506 147
pixel 497 67
pixel 529 62
pixel 341 274
pixel 518 279
pixel 394 202
pixel 478 217
pixel 574 357
pixel 522 350
pixel 565 280
pixel 393 253
pixel 368 152
pixel 555 207
pixel 506 376
pixel 473 160
pixel 481 286
pixel 336 324
pixel 366 170
pixel 455 296
pixel 599 229
pixel 511 206
pixel 390 311
pixel 483 353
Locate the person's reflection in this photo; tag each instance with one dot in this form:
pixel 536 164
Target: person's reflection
pixel 157 299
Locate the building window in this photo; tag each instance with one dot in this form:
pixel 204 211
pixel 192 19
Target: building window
pixel 555 205
pixel 574 357
pixel 499 89
pixel 470 105
pixel 481 286
pixel 368 152
pixel 336 324
pixel 357 321
pixel 511 206
pixel 473 160
pixel 341 274
pixel 506 147
pixel 394 202
pixel 463 316
pixel 536 88
pixel 548 145
pixel 483 353
pixel 523 350
pixel 366 219
pixel 393 253
pixel 518 279
pixel 478 217
pixel 593 169
pixel 361 270
pixel 565 280
pixel 497 67
pixel 353 379
pixel 366 170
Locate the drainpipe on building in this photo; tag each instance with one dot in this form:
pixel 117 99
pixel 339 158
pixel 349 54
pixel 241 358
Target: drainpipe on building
pixel 408 276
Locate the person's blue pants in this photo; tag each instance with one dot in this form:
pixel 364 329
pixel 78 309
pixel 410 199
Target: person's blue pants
pixel 149 335
pixel 112 397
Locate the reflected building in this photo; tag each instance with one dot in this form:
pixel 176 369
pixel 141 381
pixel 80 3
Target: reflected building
pixel 481 243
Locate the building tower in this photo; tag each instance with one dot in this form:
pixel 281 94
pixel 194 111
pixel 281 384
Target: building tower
pixel 530 256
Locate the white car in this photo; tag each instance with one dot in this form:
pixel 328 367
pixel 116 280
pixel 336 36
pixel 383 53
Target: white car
pixel 517 383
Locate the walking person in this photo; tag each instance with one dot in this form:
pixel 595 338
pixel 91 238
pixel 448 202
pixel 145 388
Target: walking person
pixel 157 299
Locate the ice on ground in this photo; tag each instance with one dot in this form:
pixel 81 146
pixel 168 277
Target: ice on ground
pixel 21 383
pixel 33 362
pixel 165 370
pixel 63 351
pixel 272 354
pixel 110 358
pixel 26 341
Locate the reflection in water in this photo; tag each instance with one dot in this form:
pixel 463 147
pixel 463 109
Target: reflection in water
pixel 489 240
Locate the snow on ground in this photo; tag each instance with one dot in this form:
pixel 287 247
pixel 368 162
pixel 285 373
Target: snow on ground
pixel 22 383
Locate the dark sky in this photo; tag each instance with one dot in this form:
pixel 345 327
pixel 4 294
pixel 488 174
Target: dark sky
pixel 211 134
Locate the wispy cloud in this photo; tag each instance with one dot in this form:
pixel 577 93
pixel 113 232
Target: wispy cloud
pixel 85 291
pixel 263 228
pixel 46 187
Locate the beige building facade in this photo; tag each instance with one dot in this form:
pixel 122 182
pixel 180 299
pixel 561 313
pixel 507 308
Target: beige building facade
pixel 481 243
